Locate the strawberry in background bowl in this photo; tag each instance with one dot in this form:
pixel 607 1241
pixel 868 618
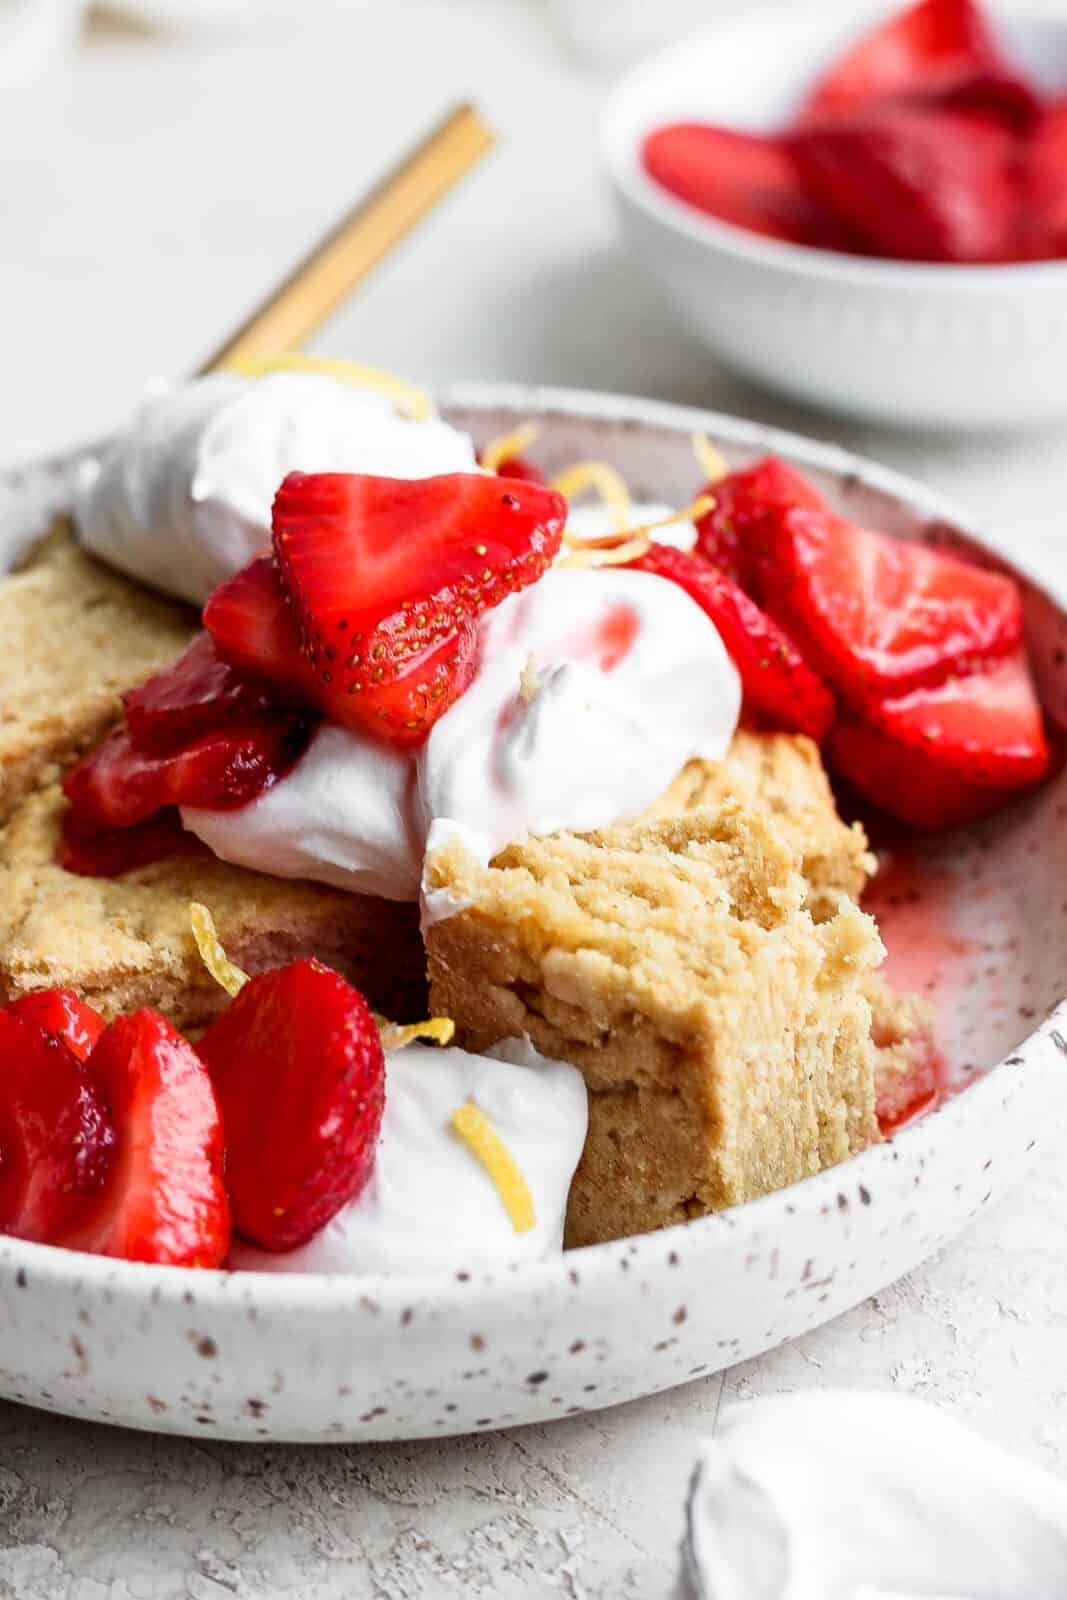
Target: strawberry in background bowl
pixel 870 215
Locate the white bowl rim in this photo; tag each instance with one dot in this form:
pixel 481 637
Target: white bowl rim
pixel 130 1281
pixel 627 172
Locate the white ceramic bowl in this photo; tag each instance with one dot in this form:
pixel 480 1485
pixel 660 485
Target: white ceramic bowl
pixel 899 342
pixel 984 925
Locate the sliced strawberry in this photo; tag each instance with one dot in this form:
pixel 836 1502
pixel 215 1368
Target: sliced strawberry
pixel 941 756
pixel 734 532
pixel 776 682
pixel 60 1014
pixel 922 51
pixel 919 184
pixel 116 786
pixel 747 179
pixel 878 616
pixel 198 693
pixel 297 1064
pixel 1046 187
pixel 92 851
pixel 250 618
pixel 522 469
pixel 389 575
pixel 163 1199
pixel 56 1139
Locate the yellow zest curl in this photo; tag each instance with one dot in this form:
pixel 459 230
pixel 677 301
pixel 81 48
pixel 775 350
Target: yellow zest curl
pixel 214 957
pixel 485 1144
pixel 508 446
pixel 409 400
pixel 397 1035
pixel 711 461
pixel 609 485
pixel 616 550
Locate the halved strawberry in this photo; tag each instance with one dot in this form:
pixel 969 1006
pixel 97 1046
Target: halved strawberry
pixel 56 1138
pixel 297 1064
pixel 748 179
pixel 945 755
pixel 388 577
pixel 250 618
pixel 776 682
pixel 922 51
pixel 60 1014
pixel 197 693
pixel 878 616
pixel 733 533
pixel 116 785
pixel 93 851
pixel 919 184
pixel 1045 182
pixel 163 1199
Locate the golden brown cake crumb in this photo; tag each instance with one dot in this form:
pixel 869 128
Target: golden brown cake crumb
pixel 783 772
pixel 724 1037
pixel 126 942
pixel 75 636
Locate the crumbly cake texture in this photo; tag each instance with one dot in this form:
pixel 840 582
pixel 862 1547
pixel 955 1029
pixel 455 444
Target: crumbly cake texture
pixel 75 636
pixel 724 1036
pixel 126 942
pixel 905 1052
pixel 783 773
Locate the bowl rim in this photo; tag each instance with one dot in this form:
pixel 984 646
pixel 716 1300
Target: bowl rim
pixel 620 154
pixel 51 1266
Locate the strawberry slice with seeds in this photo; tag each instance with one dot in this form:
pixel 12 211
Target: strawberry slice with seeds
pixel 945 755
pixel 388 577
pixel 776 681
pixel 297 1064
pixel 117 785
pixel 56 1138
pixel 748 179
pixel 734 533
pixel 878 616
pixel 921 52
pixel 198 693
pixel 163 1199
pixel 919 184
pixel 251 622
pixel 60 1014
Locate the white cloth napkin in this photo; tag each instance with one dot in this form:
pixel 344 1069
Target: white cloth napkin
pixel 852 1495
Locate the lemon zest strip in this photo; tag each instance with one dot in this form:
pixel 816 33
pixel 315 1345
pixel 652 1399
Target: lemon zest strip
pixel 609 484
pixel 408 398
pixel 711 461
pixel 214 957
pixel 398 1035
pixel 485 1144
pixel 609 552
pixel 509 445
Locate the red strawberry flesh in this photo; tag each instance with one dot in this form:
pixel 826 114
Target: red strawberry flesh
pixel 878 616
pixel 776 682
pixel 746 179
pixel 733 534
pixel 93 851
pixel 56 1138
pixel 198 693
pixel 116 785
pixel 388 577
pixel 297 1064
pixel 250 619
pixel 60 1014
pixel 1045 180
pixel 164 1199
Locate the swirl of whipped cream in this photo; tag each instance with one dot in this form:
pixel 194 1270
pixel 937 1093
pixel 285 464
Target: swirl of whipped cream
pixel 429 1203
pixel 182 499
pixel 594 689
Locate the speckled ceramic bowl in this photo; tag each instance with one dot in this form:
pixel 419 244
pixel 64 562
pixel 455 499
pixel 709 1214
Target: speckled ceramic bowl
pixel 981 925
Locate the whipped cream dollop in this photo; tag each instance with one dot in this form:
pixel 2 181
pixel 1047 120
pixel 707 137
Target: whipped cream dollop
pixel 430 1204
pixel 847 1495
pixel 182 499
pixel 594 688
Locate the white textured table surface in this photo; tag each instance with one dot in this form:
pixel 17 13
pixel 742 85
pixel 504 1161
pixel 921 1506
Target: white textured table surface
pixel 149 196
